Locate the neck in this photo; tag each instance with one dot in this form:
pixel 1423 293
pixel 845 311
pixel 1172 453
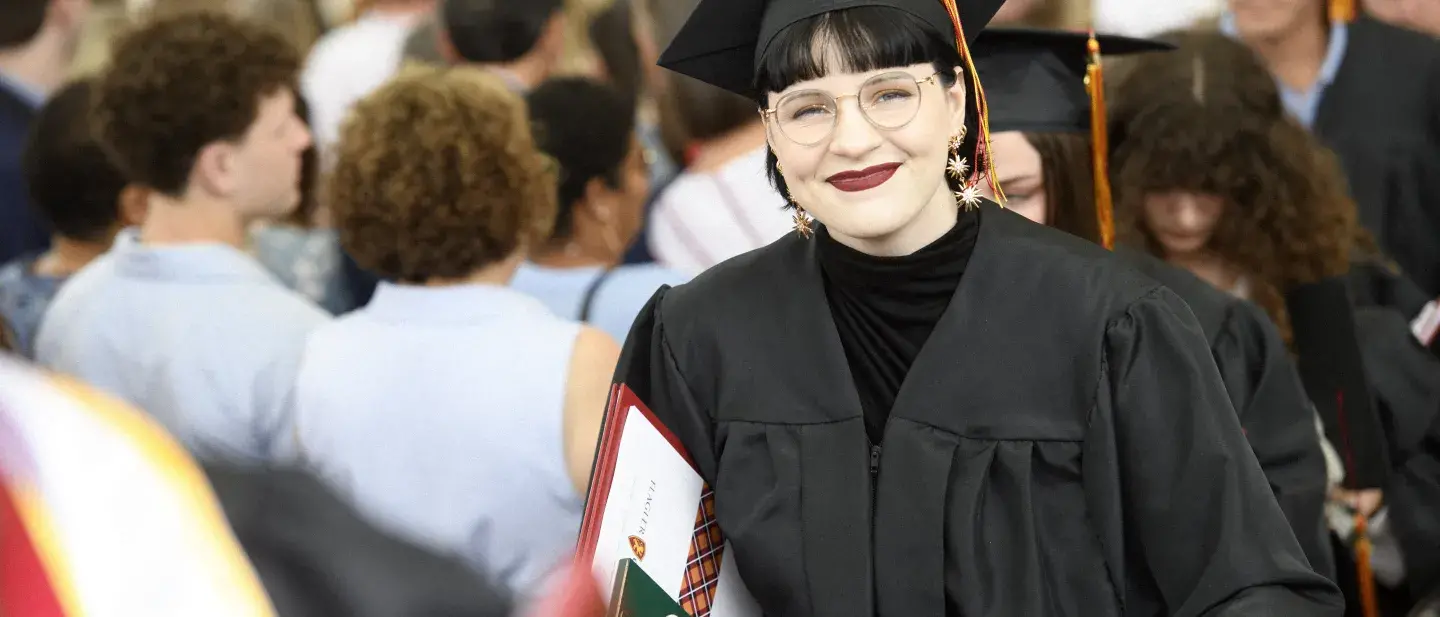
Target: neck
pixel 68 255
pixel 498 273
pixel 192 220
pixel 716 153
pixel 935 220
pixel 1209 267
pixel 575 253
pixel 43 63
pixel 1295 56
pixel 529 71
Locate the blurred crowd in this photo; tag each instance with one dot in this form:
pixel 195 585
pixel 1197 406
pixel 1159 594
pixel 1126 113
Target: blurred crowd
pixel 318 302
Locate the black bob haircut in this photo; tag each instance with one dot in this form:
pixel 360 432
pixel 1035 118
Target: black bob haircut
pixel 587 145
pixel 865 38
pixel 72 182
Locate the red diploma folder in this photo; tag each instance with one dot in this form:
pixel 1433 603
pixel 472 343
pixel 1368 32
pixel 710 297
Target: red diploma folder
pixel 648 503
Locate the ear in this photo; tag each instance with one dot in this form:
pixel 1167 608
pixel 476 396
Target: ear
pixel 958 94
pixel 214 166
pixel 445 46
pixel 598 197
pixel 553 39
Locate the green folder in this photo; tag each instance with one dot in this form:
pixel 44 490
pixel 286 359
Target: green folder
pixel 636 595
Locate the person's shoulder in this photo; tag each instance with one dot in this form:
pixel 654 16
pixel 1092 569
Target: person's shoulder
pixel 273 317
pixel 1058 267
pixel 1400 43
pixel 594 350
pixel 86 289
pixel 740 277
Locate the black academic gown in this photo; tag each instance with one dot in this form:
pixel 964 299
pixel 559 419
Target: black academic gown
pixel 1266 392
pixel 1406 380
pixel 1381 115
pixel 1062 445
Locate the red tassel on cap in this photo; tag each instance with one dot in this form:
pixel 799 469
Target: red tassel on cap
pixel 982 149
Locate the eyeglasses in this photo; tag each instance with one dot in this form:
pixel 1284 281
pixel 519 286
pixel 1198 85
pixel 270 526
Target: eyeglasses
pixel 888 101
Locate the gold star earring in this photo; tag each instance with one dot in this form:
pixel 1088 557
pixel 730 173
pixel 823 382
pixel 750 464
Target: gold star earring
pixel 958 166
pixel 802 220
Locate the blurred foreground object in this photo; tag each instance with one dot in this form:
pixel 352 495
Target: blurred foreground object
pixel 575 594
pixel 102 513
pixel 317 558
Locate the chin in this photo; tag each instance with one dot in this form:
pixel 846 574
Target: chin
pixel 866 221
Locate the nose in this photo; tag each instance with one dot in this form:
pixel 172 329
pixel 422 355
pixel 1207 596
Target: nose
pixel 306 138
pixel 1186 214
pixel 854 135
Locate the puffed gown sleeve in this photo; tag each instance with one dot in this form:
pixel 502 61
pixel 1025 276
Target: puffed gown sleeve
pixel 648 366
pixel 1279 423
pixel 1201 524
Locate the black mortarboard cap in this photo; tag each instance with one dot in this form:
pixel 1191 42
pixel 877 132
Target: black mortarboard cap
pixel 1035 79
pixel 1050 81
pixel 723 40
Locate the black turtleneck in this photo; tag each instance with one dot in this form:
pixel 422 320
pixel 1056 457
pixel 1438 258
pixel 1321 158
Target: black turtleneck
pixel 885 308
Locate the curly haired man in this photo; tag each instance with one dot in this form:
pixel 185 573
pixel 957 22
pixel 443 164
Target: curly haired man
pixel 178 319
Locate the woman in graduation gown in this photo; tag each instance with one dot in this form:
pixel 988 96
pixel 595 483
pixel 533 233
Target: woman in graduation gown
pixel 1211 173
pixel 1042 122
pixel 928 405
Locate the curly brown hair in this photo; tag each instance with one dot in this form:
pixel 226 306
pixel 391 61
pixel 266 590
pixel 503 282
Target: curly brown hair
pixel 182 81
pixel 437 176
pixel 1208 119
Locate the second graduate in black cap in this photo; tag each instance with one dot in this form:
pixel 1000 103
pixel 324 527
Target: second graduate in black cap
pixel 928 405
pixel 1044 122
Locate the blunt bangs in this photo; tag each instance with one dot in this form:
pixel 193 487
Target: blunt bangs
pixel 856 40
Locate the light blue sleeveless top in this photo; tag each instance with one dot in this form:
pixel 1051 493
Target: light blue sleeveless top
pixel 438 412
pixel 616 301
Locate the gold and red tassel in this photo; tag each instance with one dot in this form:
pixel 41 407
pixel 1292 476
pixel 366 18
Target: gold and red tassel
pixel 982 148
pixel 1343 10
pixel 1099 144
pixel 1369 606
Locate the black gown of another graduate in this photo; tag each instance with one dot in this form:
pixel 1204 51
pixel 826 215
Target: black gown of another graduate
pixel 1061 444
pixel 1266 392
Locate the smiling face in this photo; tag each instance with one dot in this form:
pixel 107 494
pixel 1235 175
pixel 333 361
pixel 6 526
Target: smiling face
pixel 878 189
pixel 1182 222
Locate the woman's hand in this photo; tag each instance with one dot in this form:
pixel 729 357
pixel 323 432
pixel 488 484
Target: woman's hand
pixel 1365 501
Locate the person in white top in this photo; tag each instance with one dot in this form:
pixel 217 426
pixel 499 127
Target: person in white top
pixel 453 410
pixel 351 61
pixel 1145 18
pixel 722 205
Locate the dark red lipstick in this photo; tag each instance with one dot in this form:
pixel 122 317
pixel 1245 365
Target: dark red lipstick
pixel 863 180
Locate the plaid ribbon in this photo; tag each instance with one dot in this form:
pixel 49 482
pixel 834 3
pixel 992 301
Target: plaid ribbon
pixel 702 567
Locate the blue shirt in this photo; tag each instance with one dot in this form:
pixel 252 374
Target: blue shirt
pixel 439 413
pixel 198 335
pixel 617 301
pixel 24 296
pixel 1304 104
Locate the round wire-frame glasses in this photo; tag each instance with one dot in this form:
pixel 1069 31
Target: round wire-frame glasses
pixel 887 101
